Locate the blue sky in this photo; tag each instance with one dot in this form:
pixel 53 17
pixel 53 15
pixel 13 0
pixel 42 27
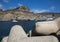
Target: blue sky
pixel 36 6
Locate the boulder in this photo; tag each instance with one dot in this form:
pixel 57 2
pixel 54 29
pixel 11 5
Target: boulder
pixel 16 34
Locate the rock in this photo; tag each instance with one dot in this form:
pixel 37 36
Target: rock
pixel 46 27
pixel 16 34
pixel 23 8
pixel 7 17
pixel 40 39
pixel 5 39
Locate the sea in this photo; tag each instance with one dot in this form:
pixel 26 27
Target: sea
pixel 5 26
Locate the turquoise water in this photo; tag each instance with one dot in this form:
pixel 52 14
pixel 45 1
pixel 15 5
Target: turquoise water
pixel 6 26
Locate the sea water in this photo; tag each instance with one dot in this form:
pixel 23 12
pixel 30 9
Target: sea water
pixel 5 26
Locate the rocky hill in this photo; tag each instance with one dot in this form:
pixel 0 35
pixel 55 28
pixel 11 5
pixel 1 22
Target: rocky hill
pixel 23 13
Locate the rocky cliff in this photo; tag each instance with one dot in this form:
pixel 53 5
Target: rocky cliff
pixel 23 13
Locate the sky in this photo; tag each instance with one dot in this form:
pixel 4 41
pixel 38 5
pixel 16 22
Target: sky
pixel 36 6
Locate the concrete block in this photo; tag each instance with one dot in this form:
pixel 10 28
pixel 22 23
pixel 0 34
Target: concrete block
pixel 40 39
pixel 16 34
pixel 46 27
pixel 5 39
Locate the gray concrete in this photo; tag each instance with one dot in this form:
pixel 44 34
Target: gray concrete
pixel 5 39
pixel 57 20
pixel 16 34
pixel 58 33
pixel 34 39
pixel 40 39
pixel 46 27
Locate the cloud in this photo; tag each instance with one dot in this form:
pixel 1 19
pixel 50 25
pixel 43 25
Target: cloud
pixel 19 4
pixel 6 1
pixel 39 11
pixel 1 6
pixel 52 7
pixel 12 7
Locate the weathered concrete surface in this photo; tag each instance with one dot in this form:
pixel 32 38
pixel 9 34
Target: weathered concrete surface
pixel 57 20
pixel 46 27
pixel 39 39
pixel 5 39
pixel 58 33
pixel 16 34
pixel 35 39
